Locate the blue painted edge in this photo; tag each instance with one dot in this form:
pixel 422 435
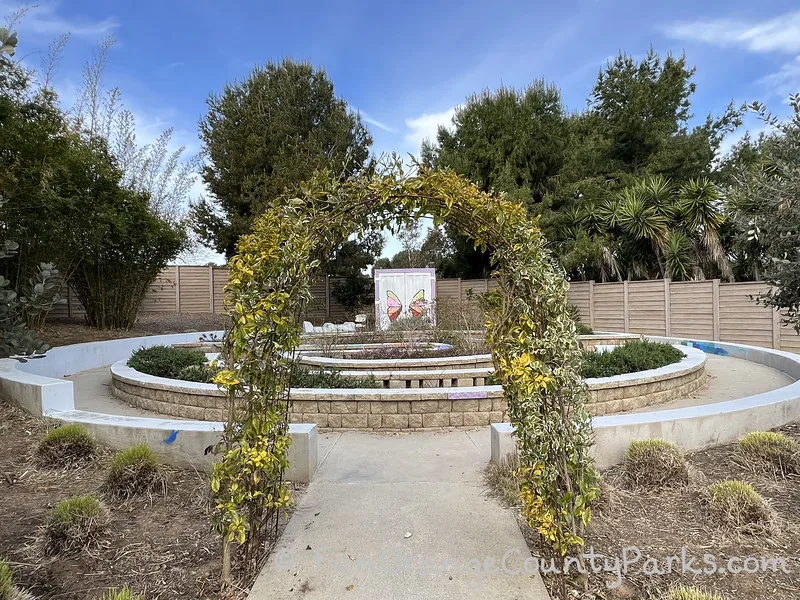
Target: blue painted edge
pixel 707 347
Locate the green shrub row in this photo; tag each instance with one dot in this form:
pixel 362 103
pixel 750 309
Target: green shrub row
pixel 631 357
pixel 165 361
pixel 303 377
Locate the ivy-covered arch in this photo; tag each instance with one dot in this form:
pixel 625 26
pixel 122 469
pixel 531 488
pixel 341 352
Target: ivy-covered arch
pixel 529 331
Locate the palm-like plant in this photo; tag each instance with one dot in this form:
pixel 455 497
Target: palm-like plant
pixel 661 230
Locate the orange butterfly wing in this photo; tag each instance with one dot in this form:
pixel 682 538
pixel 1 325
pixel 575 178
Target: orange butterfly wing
pixel 417 305
pixel 393 305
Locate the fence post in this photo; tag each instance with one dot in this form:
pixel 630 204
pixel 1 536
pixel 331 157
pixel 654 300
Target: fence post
pixel 327 297
pixel 591 303
pixel 211 286
pixel 667 308
pixel 177 288
pixel 776 329
pixel 625 304
pixel 715 307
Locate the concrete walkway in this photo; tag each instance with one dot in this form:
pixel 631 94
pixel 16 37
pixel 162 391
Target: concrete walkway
pixel 728 378
pixel 400 516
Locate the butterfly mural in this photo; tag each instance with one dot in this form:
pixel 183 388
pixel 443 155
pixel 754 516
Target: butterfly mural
pixel 394 307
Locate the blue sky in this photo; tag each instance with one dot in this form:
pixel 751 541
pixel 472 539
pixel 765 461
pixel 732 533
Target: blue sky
pixel 405 66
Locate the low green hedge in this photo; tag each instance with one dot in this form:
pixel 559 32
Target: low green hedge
pixel 305 378
pixel 631 357
pixel 165 361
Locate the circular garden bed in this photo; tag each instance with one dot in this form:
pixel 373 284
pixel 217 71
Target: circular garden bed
pixel 415 393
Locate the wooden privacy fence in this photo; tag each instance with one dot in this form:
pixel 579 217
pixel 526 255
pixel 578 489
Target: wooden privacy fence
pixel 707 310
pixel 195 289
pixel 699 309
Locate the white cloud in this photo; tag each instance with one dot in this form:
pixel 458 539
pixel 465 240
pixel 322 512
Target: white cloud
pixel 786 80
pixel 45 19
pixel 426 126
pixel 780 34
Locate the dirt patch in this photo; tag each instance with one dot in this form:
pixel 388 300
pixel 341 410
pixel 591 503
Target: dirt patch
pixel 162 547
pixel 662 523
pixel 62 332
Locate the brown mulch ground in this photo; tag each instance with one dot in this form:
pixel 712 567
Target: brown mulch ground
pixel 661 523
pixel 61 332
pixel 162 546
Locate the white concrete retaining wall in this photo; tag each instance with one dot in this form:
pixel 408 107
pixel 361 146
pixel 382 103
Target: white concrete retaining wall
pixel 696 427
pixel 38 387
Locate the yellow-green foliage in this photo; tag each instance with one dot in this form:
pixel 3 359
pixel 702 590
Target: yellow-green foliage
pixel 775 448
pixel 67 445
pixel 691 593
pixel 6 581
pixel 123 594
pixel 529 331
pixel 75 524
pixel 133 472
pixel 655 463
pixel 737 504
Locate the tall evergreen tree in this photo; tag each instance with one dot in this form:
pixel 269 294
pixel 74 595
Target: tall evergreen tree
pixel 266 135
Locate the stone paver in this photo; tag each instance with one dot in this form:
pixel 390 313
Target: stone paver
pixel 348 536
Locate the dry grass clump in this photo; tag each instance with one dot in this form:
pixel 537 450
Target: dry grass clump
pixel 503 481
pixel 736 504
pixel 123 594
pixel 655 463
pixel 134 472
pixel 74 525
pixel 66 446
pixel 776 449
pixel 6 581
pixel 9 591
pixel 691 593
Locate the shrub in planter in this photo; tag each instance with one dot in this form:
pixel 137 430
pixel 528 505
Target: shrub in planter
pixel 74 525
pixel 736 504
pixel 165 361
pixel 198 373
pixel 775 448
pixel 134 472
pixel 306 378
pixel 66 446
pixel 123 594
pixel 655 463
pixel 631 357
pixel 691 593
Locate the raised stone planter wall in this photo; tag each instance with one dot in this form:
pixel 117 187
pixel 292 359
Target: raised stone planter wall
pixel 407 408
